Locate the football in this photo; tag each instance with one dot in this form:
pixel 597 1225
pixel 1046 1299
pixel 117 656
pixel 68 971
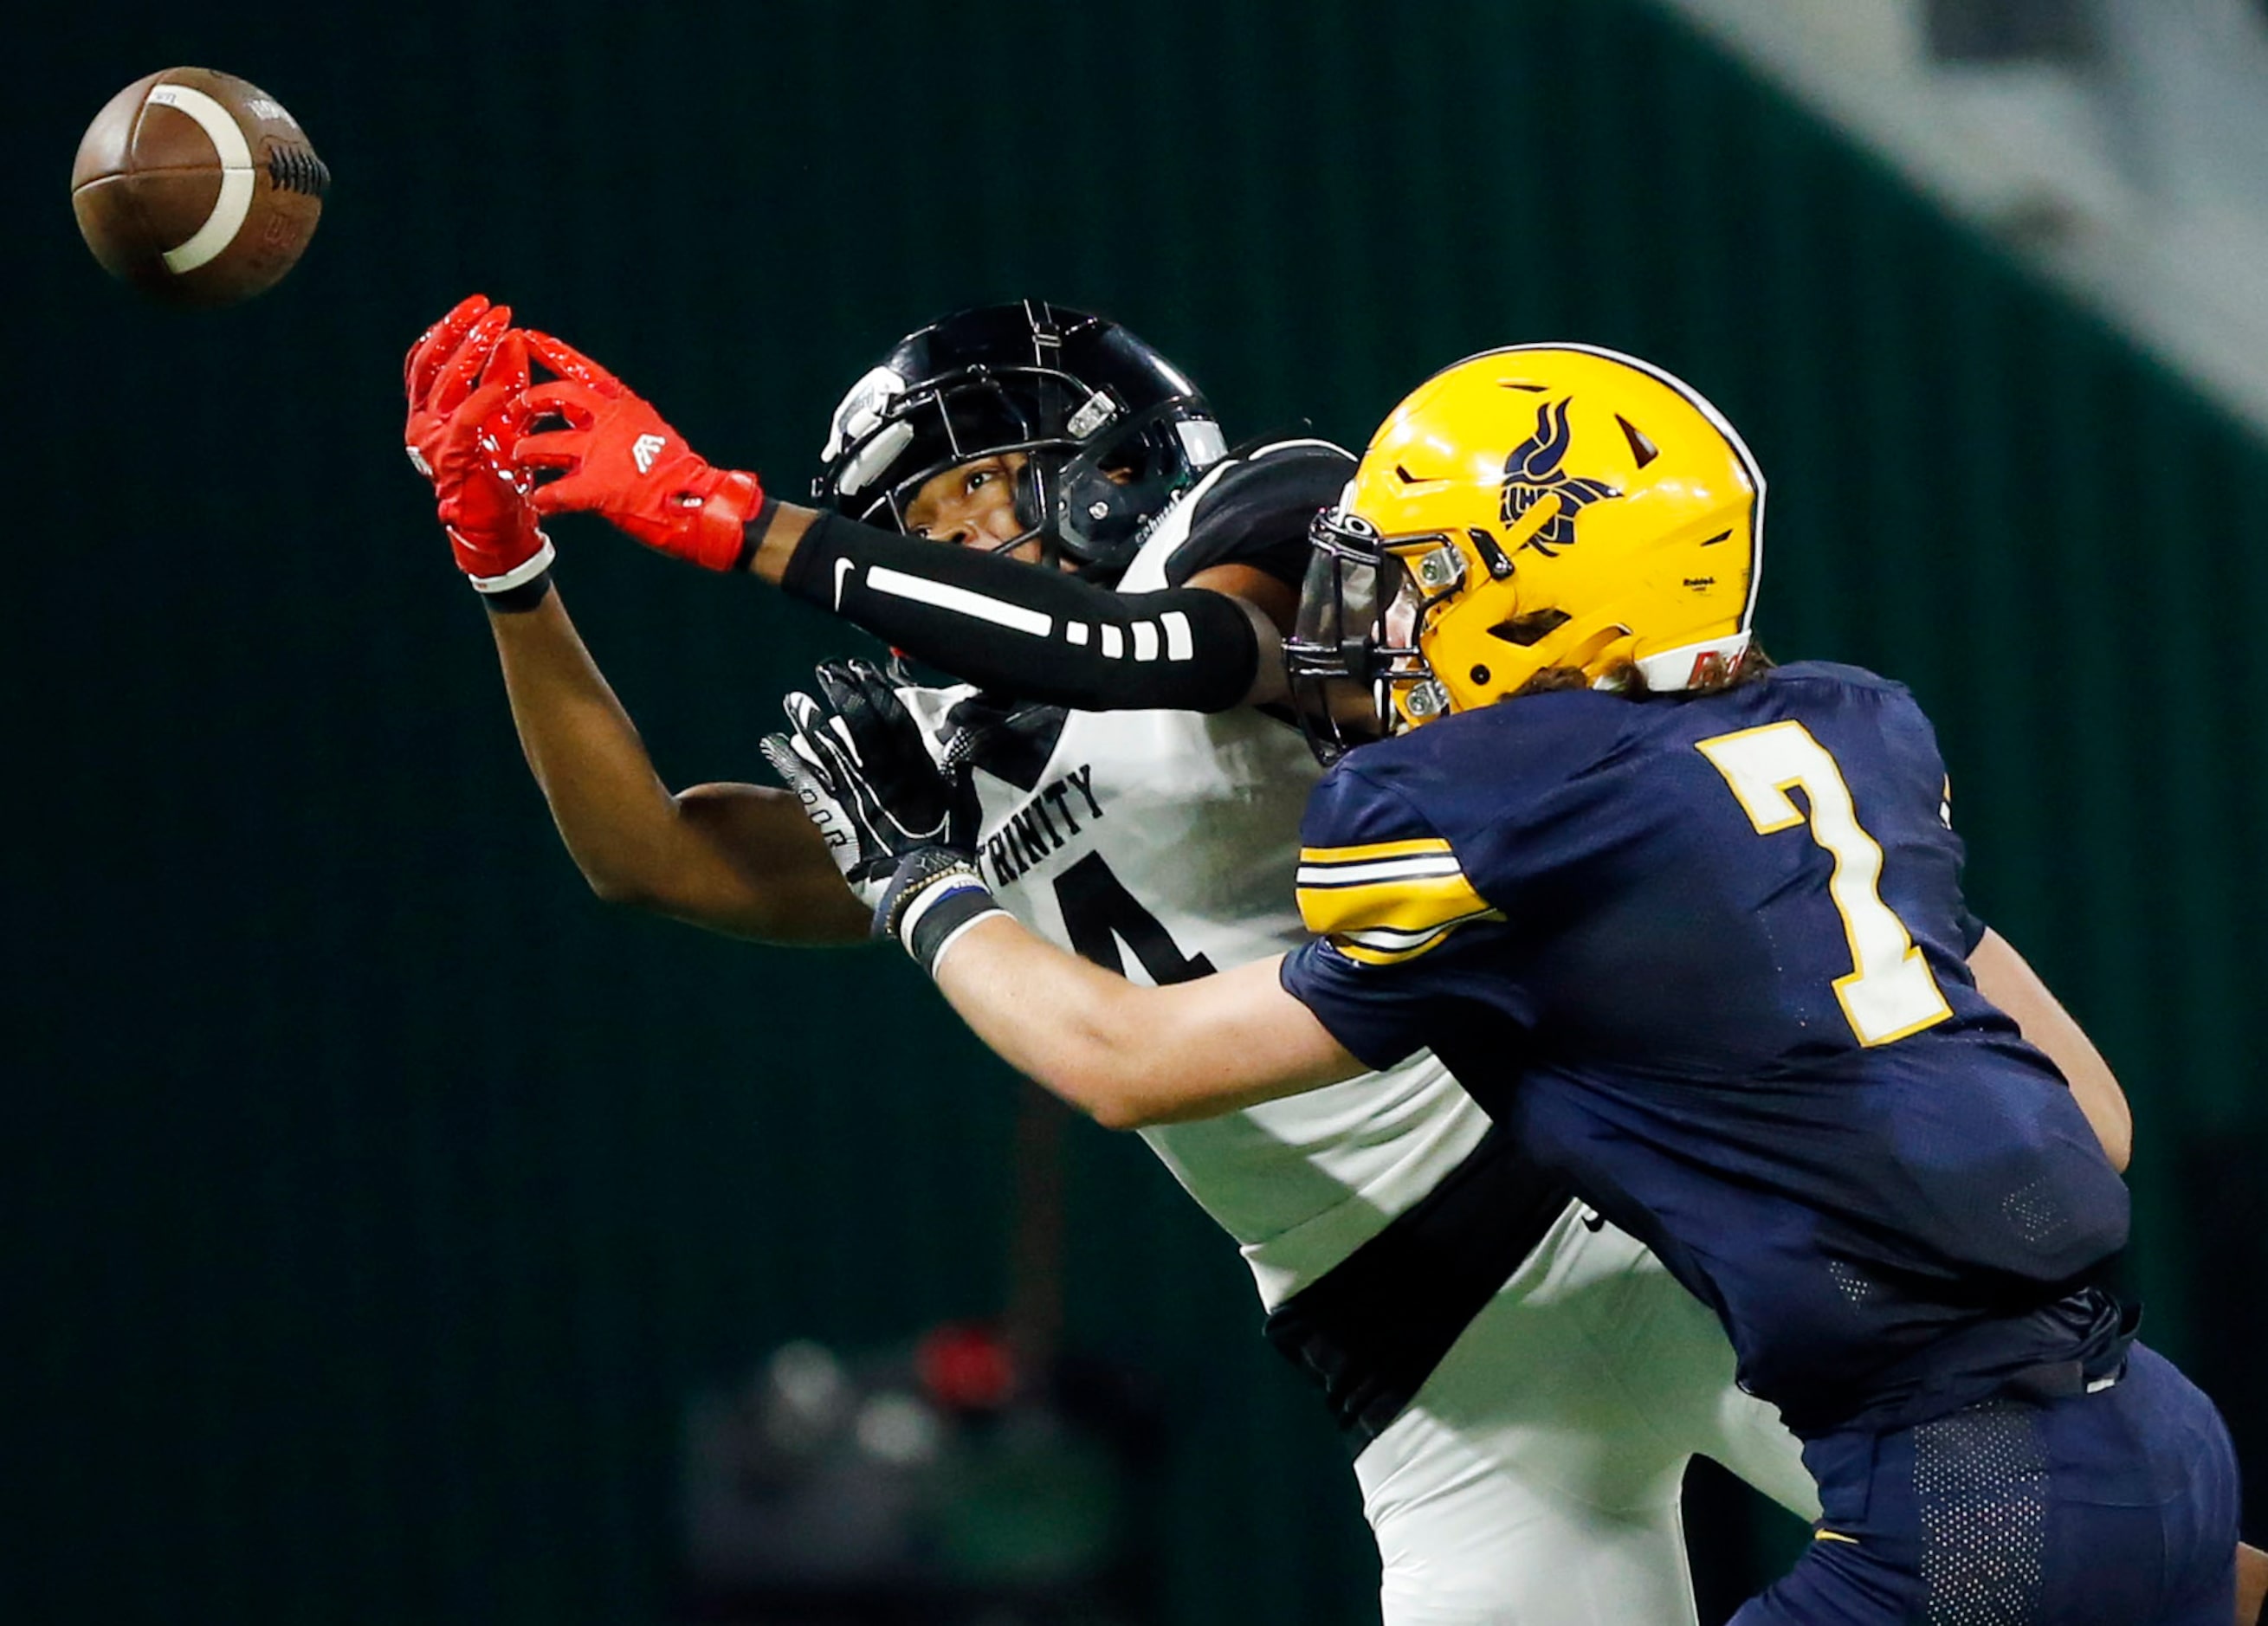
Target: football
pixel 197 187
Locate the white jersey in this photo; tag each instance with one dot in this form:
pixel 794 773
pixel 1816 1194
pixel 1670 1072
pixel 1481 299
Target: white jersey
pixel 1165 842
pixel 1531 1472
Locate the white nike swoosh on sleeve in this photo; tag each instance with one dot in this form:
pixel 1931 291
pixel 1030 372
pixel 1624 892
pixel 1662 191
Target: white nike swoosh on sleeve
pixel 843 567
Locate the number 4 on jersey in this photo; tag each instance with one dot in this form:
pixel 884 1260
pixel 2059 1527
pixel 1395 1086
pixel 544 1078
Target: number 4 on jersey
pixel 1891 991
pixel 1099 913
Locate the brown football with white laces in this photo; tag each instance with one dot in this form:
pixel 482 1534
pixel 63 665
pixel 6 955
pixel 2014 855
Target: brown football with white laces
pixel 197 187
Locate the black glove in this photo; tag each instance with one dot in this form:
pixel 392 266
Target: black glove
pixel 934 894
pixel 861 764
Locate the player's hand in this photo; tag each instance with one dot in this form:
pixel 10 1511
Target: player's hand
pixel 930 897
pixel 858 759
pixel 443 368
pixel 482 500
pixel 617 457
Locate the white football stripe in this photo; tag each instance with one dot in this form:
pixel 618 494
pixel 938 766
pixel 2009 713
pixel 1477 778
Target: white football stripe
pixel 235 202
pixel 1145 640
pixel 1113 641
pixel 1179 646
pixel 958 599
pixel 228 140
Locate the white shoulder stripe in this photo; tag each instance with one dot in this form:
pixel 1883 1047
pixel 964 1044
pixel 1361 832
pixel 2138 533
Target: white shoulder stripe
pixel 1391 940
pixel 1418 866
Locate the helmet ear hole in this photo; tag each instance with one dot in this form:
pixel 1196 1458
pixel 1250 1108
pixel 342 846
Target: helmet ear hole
pixel 1530 629
pixel 1642 449
pixel 1584 654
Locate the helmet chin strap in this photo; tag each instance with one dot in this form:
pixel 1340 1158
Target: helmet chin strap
pixel 1050 555
pixel 1053 555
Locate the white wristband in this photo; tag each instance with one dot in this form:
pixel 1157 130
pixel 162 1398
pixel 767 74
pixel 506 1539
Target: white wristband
pixel 519 575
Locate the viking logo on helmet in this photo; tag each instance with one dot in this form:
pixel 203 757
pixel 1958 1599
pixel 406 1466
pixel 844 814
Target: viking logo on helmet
pixel 1531 473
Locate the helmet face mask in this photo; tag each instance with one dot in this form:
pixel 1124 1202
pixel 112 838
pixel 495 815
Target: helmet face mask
pixel 1109 430
pixel 1551 510
pixel 1353 657
pixel 946 422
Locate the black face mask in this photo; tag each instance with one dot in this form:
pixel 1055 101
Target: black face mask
pixel 1342 665
pixel 1110 430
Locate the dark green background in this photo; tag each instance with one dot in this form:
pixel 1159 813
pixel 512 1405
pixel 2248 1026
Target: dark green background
pixel 375 1196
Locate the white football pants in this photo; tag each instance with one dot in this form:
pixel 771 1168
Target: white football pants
pixel 1534 1480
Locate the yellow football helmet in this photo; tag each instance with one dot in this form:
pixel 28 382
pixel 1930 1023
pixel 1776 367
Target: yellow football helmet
pixel 1543 505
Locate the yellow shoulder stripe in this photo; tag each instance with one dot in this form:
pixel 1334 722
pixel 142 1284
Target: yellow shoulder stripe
pixel 1375 850
pixel 1387 902
pixel 1414 904
pixel 1381 948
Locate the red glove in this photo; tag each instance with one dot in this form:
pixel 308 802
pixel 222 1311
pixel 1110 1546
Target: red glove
pixel 484 503
pixel 441 369
pixel 623 462
pixel 465 378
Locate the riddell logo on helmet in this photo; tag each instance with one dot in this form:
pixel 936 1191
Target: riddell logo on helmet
pixel 1531 473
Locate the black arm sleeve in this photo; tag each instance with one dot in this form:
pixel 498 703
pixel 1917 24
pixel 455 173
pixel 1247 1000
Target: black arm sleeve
pixel 1036 633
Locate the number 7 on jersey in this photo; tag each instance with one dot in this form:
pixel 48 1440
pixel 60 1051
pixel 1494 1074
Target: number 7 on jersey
pixel 1889 991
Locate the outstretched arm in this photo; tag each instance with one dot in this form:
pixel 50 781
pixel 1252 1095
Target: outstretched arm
pixel 1207 644
pixel 1211 644
pixel 1127 1055
pixel 736 858
pixel 1130 1056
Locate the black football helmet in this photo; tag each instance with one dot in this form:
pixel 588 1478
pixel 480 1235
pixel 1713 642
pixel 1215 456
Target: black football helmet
pixel 1110 428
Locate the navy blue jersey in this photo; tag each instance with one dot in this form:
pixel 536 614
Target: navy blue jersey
pixel 1707 958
